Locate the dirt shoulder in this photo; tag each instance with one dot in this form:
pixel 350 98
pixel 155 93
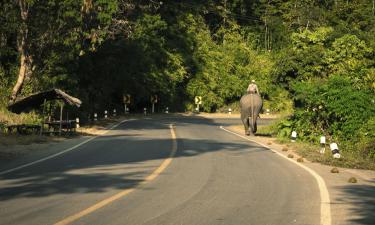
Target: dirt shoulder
pixel 351 203
pixel 13 147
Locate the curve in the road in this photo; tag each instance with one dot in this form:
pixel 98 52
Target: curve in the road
pixel 325 208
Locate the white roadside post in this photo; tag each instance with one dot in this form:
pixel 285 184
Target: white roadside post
pixel 322 144
pixel 166 110
pixel 105 114
pixel 77 122
pixel 229 111
pixel 335 150
pixel 294 136
pixel 154 100
pixel 267 111
pixel 145 111
pixel 95 116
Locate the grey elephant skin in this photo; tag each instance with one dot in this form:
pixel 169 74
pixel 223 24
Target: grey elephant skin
pixel 250 105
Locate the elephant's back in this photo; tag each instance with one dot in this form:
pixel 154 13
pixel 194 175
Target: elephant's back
pixel 247 99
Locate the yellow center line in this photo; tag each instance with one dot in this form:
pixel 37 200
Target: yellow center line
pixel 125 192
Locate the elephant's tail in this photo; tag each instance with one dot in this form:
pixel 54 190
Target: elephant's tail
pixel 251 104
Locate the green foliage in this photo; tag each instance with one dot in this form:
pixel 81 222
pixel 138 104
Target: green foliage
pixel 350 57
pixel 333 107
pixel 284 129
pixel 366 145
pixel 226 68
pixel 312 59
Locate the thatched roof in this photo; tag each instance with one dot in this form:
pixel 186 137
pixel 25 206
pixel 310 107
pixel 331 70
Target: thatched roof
pixel 36 100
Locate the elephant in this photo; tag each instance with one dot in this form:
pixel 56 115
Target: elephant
pixel 250 105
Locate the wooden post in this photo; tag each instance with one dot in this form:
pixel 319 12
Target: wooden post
pixel 61 115
pixel 43 118
pixel 67 121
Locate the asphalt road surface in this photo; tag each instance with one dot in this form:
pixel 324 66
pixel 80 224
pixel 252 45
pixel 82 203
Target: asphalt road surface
pixel 124 177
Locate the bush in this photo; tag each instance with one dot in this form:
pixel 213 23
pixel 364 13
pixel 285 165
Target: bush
pixel 333 107
pixel 284 129
pixel 7 117
pixel 366 144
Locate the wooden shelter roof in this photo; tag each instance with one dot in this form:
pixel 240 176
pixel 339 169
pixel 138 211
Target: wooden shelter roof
pixel 36 100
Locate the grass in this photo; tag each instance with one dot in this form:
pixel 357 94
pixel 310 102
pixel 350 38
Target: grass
pixel 349 159
pixel 266 130
pixel 9 118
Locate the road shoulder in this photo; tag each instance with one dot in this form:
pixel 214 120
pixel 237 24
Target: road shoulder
pixel 351 203
pixel 16 155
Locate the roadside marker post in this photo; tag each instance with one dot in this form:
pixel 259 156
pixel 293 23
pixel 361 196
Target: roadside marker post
pixel 114 112
pixel 267 111
pixel 322 144
pixel 335 150
pixel 126 100
pixel 294 136
pixel 229 111
pixel 77 122
pixel 166 110
pixel 154 100
pixel 145 111
pixel 95 116
pixel 105 114
pixel 198 102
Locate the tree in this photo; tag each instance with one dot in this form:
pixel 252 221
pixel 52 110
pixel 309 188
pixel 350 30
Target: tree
pixel 23 46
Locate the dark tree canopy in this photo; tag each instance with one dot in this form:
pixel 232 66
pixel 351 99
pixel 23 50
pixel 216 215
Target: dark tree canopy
pixel 99 50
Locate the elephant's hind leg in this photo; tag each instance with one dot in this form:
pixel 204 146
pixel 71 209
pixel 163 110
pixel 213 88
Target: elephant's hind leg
pixel 251 127
pixel 255 127
pixel 245 121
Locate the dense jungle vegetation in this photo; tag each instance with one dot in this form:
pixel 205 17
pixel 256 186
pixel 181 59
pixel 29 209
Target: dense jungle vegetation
pixel 312 59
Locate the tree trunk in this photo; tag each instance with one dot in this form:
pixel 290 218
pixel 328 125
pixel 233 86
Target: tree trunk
pixel 86 6
pixel 21 78
pixel 25 60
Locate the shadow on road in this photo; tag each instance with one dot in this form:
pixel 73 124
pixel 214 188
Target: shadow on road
pixel 362 197
pixel 110 162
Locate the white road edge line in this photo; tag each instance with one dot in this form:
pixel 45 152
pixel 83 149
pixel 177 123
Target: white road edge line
pixel 325 207
pixel 62 152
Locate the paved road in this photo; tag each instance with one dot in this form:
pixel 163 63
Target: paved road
pixel 214 178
